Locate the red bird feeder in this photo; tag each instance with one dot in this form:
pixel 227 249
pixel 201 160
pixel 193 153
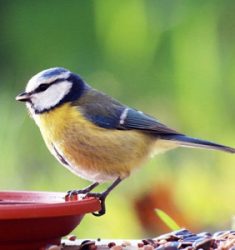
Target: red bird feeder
pixel 32 220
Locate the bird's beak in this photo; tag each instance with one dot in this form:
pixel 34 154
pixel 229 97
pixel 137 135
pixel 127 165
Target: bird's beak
pixel 23 97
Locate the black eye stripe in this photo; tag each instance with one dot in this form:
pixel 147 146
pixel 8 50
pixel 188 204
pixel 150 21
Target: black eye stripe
pixel 44 86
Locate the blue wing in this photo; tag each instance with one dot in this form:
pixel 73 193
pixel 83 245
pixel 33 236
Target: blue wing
pixel 106 112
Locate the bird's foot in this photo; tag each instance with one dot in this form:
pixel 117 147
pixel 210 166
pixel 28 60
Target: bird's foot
pixel 73 194
pixel 101 197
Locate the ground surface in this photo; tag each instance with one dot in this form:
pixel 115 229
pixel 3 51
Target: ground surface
pixel 181 239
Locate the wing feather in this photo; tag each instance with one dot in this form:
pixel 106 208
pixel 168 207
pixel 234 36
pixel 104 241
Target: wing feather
pixel 106 112
pixel 141 121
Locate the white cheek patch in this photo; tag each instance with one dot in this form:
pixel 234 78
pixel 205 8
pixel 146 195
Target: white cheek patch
pixel 51 97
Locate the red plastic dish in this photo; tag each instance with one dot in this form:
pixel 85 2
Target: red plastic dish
pixel 32 220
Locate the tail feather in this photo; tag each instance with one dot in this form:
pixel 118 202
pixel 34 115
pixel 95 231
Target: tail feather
pixel 186 141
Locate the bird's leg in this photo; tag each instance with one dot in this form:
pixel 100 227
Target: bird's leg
pixel 102 196
pixel 82 191
pixel 89 188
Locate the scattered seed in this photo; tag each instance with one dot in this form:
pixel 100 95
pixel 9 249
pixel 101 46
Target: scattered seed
pixel 203 243
pixel 192 238
pixel 140 245
pixel 111 244
pixel 177 240
pixel 168 237
pixel 173 245
pixel 72 237
pixel 182 232
pixel 88 245
pixel 148 241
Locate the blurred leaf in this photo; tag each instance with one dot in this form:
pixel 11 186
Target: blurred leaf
pixel 167 220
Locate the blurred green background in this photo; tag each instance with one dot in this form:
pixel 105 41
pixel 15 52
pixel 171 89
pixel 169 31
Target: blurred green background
pixel 172 59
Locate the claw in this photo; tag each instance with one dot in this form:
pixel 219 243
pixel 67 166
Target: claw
pixel 101 197
pixel 73 194
pixel 102 210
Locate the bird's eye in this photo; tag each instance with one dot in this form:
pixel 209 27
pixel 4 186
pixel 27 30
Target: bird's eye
pixel 42 87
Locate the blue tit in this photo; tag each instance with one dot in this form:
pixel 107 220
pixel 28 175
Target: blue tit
pixel 93 135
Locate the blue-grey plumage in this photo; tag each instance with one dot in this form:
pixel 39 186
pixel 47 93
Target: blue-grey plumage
pixel 94 135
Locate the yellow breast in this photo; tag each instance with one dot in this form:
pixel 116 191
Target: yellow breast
pixel 93 152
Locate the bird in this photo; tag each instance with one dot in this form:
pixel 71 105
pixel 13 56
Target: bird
pixel 95 136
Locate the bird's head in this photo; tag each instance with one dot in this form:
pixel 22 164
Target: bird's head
pixel 51 88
